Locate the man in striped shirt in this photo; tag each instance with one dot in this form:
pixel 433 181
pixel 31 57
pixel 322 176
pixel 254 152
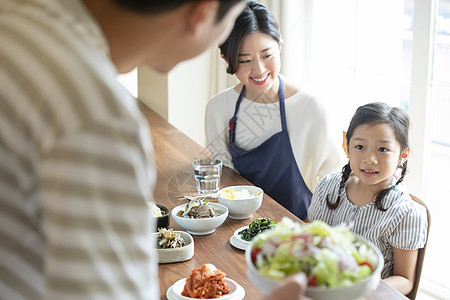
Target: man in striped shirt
pixel 76 166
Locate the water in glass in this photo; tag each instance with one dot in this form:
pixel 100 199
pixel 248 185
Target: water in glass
pixel 207 174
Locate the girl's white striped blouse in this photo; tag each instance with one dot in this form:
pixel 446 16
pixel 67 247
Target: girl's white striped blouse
pixel 403 225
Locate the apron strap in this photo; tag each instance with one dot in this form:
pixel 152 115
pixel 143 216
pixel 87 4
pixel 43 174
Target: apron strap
pixel 282 109
pixel 232 122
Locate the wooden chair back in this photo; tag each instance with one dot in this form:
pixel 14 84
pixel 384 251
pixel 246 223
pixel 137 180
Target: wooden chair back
pixel 344 142
pixel 420 254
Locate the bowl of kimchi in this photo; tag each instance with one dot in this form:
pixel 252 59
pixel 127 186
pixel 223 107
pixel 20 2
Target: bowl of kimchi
pixel 206 282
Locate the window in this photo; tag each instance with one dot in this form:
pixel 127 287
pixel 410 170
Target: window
pixel 437 193
pixel 358 51
pixel 440 84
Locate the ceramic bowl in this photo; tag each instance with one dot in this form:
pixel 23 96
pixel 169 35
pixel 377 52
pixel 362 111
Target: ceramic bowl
pixel 237 292
pixel 201 226
pixel 357 290
pixel 164 220
pixel 177 254
pixel 242 208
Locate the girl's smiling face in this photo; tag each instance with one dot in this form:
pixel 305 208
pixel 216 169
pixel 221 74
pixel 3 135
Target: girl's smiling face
pixel 374 155
pixel 259 64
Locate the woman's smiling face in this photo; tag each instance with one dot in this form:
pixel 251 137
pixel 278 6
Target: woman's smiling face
pixel 259 64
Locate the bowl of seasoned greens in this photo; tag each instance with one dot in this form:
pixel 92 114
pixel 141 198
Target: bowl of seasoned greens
pixel 339 264
pixel 173 246
pixel 242 237
pixel 200 217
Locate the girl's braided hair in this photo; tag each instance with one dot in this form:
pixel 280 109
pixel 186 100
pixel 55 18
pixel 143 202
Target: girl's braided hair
pixel 374 114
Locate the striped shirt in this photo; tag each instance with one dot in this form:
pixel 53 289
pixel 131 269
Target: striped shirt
pixel 76 168
pixel 403 225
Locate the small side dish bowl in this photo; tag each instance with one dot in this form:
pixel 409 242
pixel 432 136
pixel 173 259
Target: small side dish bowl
pixel 177 254
pixel 164 220
pixel 356 290
pixel 201 226
pixel 237 241
pixel 241 207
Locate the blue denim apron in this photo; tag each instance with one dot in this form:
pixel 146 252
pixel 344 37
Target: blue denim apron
pixel 272 165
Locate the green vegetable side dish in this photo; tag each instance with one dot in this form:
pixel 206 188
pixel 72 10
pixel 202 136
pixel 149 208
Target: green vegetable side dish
pixel 257 226
pixel 329 256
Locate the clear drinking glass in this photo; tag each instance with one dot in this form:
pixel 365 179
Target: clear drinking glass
pixel 207 174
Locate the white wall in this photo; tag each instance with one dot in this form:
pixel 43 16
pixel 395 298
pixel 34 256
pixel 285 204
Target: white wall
pixel 129 81
pixel 188 94
pixel 152 90
pixel 181 95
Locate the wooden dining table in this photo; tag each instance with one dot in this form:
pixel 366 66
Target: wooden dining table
pixel 174 153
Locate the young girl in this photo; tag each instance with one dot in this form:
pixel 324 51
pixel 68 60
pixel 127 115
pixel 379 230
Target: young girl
pixel 267 128
pixel 368 197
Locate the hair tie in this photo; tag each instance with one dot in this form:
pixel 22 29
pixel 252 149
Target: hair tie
pixel 340 191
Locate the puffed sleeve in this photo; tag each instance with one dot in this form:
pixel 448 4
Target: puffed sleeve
pixel 411 231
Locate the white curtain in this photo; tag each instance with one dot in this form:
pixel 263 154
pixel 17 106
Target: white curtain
pixel 219 78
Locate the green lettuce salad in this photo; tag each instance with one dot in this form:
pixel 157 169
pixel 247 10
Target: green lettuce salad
pixel 329 256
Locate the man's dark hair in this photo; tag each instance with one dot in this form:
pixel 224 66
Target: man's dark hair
pixel 161 6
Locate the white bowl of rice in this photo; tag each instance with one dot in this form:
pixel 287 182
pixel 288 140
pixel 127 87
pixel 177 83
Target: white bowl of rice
pixel 241 200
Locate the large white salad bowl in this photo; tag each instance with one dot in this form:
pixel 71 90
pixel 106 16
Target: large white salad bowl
pixel 357 290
